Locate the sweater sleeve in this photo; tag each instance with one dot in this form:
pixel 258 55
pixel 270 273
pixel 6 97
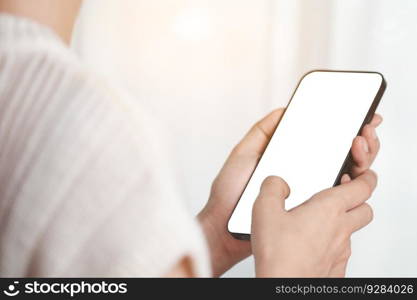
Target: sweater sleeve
pixel 84 190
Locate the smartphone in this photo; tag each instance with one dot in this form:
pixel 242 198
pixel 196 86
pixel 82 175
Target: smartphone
pixel 310 148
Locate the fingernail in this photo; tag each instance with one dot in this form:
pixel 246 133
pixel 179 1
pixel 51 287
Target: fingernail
pixel 365 145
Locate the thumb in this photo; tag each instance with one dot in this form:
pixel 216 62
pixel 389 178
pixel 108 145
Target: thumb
pixel 274 190
pixel 256 140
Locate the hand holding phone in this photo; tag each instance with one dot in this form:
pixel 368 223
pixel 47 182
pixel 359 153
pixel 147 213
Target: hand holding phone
pixel 235 174
pixel 313 239
pixel 310 149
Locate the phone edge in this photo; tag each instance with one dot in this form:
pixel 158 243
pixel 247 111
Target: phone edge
pixel 369 115
pixel 348 162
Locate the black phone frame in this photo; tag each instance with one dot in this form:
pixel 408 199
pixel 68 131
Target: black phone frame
pixel 348 162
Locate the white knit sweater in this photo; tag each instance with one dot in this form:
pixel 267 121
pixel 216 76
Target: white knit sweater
pixel 84 190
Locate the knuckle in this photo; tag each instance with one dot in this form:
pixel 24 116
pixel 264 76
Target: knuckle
pixel 326 200
pixel 369 212
pixel 365 188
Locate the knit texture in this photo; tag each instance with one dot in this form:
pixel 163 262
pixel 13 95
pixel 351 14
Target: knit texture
pixel 84 190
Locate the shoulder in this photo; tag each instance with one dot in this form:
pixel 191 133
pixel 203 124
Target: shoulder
pixel 80 161
pixel 44 86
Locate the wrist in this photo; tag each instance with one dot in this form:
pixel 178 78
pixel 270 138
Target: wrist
pixel 220 256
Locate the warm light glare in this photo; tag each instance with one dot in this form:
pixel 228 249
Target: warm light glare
pixel 193 24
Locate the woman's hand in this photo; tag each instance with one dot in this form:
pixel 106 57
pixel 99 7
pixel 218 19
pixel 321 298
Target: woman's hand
pixel 230 182
pixel 312 239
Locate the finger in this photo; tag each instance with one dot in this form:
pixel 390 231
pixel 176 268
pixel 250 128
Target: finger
pixel 376 120
pixel 369 133
pixel 244 157
pixel 353 193
pixel 359 217
pixel 255 141
pixel 274 190
pixel 360 154
pixel 364 150
pixel 345 179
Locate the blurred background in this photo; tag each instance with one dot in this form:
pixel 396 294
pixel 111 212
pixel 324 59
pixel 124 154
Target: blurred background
pixel 207 70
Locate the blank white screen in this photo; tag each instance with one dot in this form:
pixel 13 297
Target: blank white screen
pixel 313 138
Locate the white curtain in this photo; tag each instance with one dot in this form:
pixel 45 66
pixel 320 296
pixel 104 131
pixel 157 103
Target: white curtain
pixel 209 69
